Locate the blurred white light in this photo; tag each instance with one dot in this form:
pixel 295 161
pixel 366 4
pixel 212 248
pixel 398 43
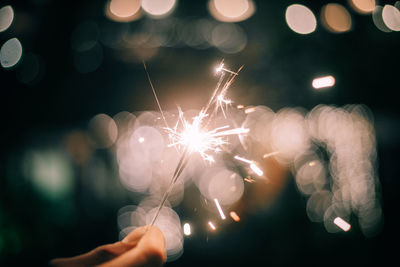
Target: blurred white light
pixel 158 8
pixel 10 53
pixel 223 184
pixel 231 10
pixel 103 130
pixel 186 229
pixel 211 225
pixel 378 19
pixel 363 6
pixel 123 10
pixel 221 212
pixel 51 173
pixel 6 17
pixel 323 82
pixel 345 226
pixel 391 17
pixel 300 19
pixel 256 169
pixel 335 18
pixel 229 38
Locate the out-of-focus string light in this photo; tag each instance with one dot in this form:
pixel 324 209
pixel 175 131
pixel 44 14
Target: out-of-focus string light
pixel 300 19
pixel 212 226
pixel 391 17
pixel 103 130
pixel 123 10
pixel 158 8
pixel 186 229
pixel 363 6
pixel 231 10
pixel 345 226
pixel 6 17
pixel 10 53
pixel 229 38
pixel 323 82
pixel 335 18
pixel 234 216
pixel 221 212
pixel 378 19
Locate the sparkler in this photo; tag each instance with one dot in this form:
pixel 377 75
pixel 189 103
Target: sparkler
pixel 196 136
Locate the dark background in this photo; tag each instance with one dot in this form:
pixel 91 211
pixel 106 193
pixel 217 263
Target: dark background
pixel 279 68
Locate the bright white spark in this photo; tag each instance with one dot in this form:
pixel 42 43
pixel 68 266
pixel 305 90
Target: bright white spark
pixel 221 68
pixel 221 212
pixel 197 139
pixel 186 229
pixel 211 225
pixel 345 226
pixel 252 165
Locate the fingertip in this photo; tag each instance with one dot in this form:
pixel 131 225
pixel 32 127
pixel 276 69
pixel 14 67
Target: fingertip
pixel 135 235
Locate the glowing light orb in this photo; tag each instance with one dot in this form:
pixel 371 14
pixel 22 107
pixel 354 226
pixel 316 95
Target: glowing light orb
pixel 300 19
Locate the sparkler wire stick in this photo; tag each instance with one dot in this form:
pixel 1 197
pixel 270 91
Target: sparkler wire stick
pixel 178 171
pixel 154 93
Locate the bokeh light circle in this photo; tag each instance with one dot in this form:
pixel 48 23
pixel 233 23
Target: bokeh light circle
pixel 363 6
pixel 123 10
pixel 6 17
pixel 335 18
pixel 158 8
pixel 391 17
pixel 300 19
pixel 231 10
pixel 10 53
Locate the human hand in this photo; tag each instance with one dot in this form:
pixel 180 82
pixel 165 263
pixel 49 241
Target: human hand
pixel 145 246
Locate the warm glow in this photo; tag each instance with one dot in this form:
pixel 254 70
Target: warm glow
pixel 221 212
pixel 336 18
pixel 249 110
pixel 323 82
pixel 300 19
pixel 158 8
pixel 256 169
pixel 123 10
pixel 186 229
pixel 363 6
pixel 231 10
pixel 345 226
pixel 240 106
pixel 211 225
pixel 234 216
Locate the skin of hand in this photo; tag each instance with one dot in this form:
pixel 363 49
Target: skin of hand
pixel 145 246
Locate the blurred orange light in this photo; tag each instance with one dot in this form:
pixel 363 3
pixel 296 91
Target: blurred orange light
pixel 234 216
pixel 363 6
pixel 123 10
pixel 211 225
pixel 336 18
